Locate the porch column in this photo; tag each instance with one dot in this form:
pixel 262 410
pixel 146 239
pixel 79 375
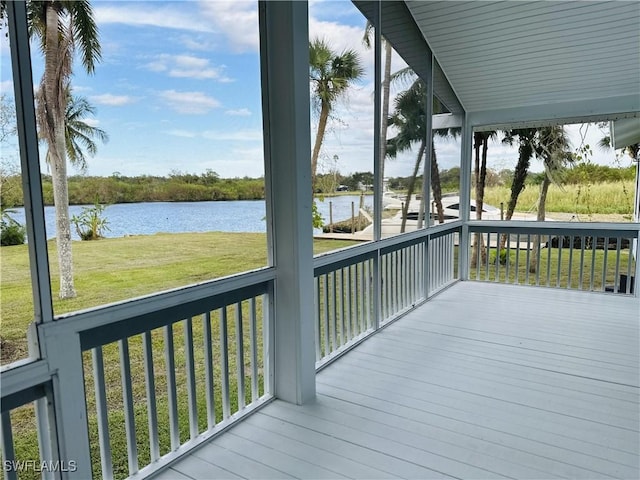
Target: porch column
pixel 465 196
pixel 284 60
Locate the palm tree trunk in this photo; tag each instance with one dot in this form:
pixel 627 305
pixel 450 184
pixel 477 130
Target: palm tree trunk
pixel 478 240
pixel 525 152
pixel 436 188
pixel 544 189
pixel 322 125
pixel 385 106
pixel 483 178
pixel 412 185
pixel 55 106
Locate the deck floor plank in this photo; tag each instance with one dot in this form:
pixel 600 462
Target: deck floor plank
pixel 517 382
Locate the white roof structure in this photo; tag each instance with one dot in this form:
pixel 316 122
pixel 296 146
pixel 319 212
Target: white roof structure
pixel 532 62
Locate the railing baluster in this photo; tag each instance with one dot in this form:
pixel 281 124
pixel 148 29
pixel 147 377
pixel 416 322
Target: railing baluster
pixel 616 284
pixel 528 260
pixel 516 276
pixel 334 317
pixel 253 342
pixel 8 453
pixel 169 355
pixel 366 280
pixel 127 397
pixel 327 343
pixel 507 266
pixel 594 247
pixel 548 261
pixel 102 413
pixel 344 329
pixel 604 263
pixel 240 356
pixel 478 256
pixel 267 346
pixel 318 315
pixel 538 256
pixel 348 310
pixel 414 271
pixel 583 246
pixel 150 385
pixel 191 378
pixel 498 258
pixel 569 279
pixel 439 264
pixel 630 265
pixel 208 370
pixel 224 363
pixel 487 261
pixel 560 241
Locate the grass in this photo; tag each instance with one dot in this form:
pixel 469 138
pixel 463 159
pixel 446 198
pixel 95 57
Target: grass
pixel 598 198
pixel 116 269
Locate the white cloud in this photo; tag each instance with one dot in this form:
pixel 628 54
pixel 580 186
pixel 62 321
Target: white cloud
pixel 237 135
pixel 237 21
pixel 240 112
pixel 190 103
pixel 6 87
pixel 181 133
pixel 154 14
pixel 188 66
pixel 112 100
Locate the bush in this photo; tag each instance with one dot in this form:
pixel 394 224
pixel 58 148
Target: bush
pixel 90 223
pixel 12 233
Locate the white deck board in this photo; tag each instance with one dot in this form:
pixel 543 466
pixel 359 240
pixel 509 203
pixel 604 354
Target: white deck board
pixel 484 381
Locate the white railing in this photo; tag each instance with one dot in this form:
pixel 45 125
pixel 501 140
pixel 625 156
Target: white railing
pixel 592 257
pixel 27 403
pixel 156 376
pixel 359 289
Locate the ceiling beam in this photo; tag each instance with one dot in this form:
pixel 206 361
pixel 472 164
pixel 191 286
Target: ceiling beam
pixel 591 110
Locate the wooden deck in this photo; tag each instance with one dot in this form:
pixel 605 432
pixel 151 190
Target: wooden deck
pixel 484 381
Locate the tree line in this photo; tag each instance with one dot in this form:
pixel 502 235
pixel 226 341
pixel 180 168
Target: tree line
pixel 85 190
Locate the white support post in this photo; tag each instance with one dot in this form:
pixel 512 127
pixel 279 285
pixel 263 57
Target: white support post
pixel 378 180
pixel 465 197
pixel 426 182
pixel 69 400
pixel 284 53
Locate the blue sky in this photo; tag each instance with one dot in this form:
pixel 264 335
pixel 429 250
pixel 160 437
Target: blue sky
pixel 178 89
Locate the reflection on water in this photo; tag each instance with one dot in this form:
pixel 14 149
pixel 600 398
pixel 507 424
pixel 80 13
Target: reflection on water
pixel 175 217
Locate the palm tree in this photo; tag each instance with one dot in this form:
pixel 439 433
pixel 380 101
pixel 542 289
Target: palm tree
pixel 403 76
pixel 480 144
pixel 79 135
pixel 526 138
pixel 409 120
pixel 331 75
pixel 62 26
pixel 386 82
pixel 552 147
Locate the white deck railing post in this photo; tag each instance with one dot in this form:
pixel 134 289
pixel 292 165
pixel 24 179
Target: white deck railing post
pixel 64 356
pixel 284 59
pixel 465 197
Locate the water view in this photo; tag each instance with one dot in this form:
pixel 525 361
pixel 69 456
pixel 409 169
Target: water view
pixel 176 217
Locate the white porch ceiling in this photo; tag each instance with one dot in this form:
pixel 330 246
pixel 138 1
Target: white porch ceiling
pixel 552 58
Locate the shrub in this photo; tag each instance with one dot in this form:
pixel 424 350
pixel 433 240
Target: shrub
pixel 11 232
pixel 90 223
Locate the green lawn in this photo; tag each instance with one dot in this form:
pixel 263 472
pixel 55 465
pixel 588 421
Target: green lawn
pixel 114 269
